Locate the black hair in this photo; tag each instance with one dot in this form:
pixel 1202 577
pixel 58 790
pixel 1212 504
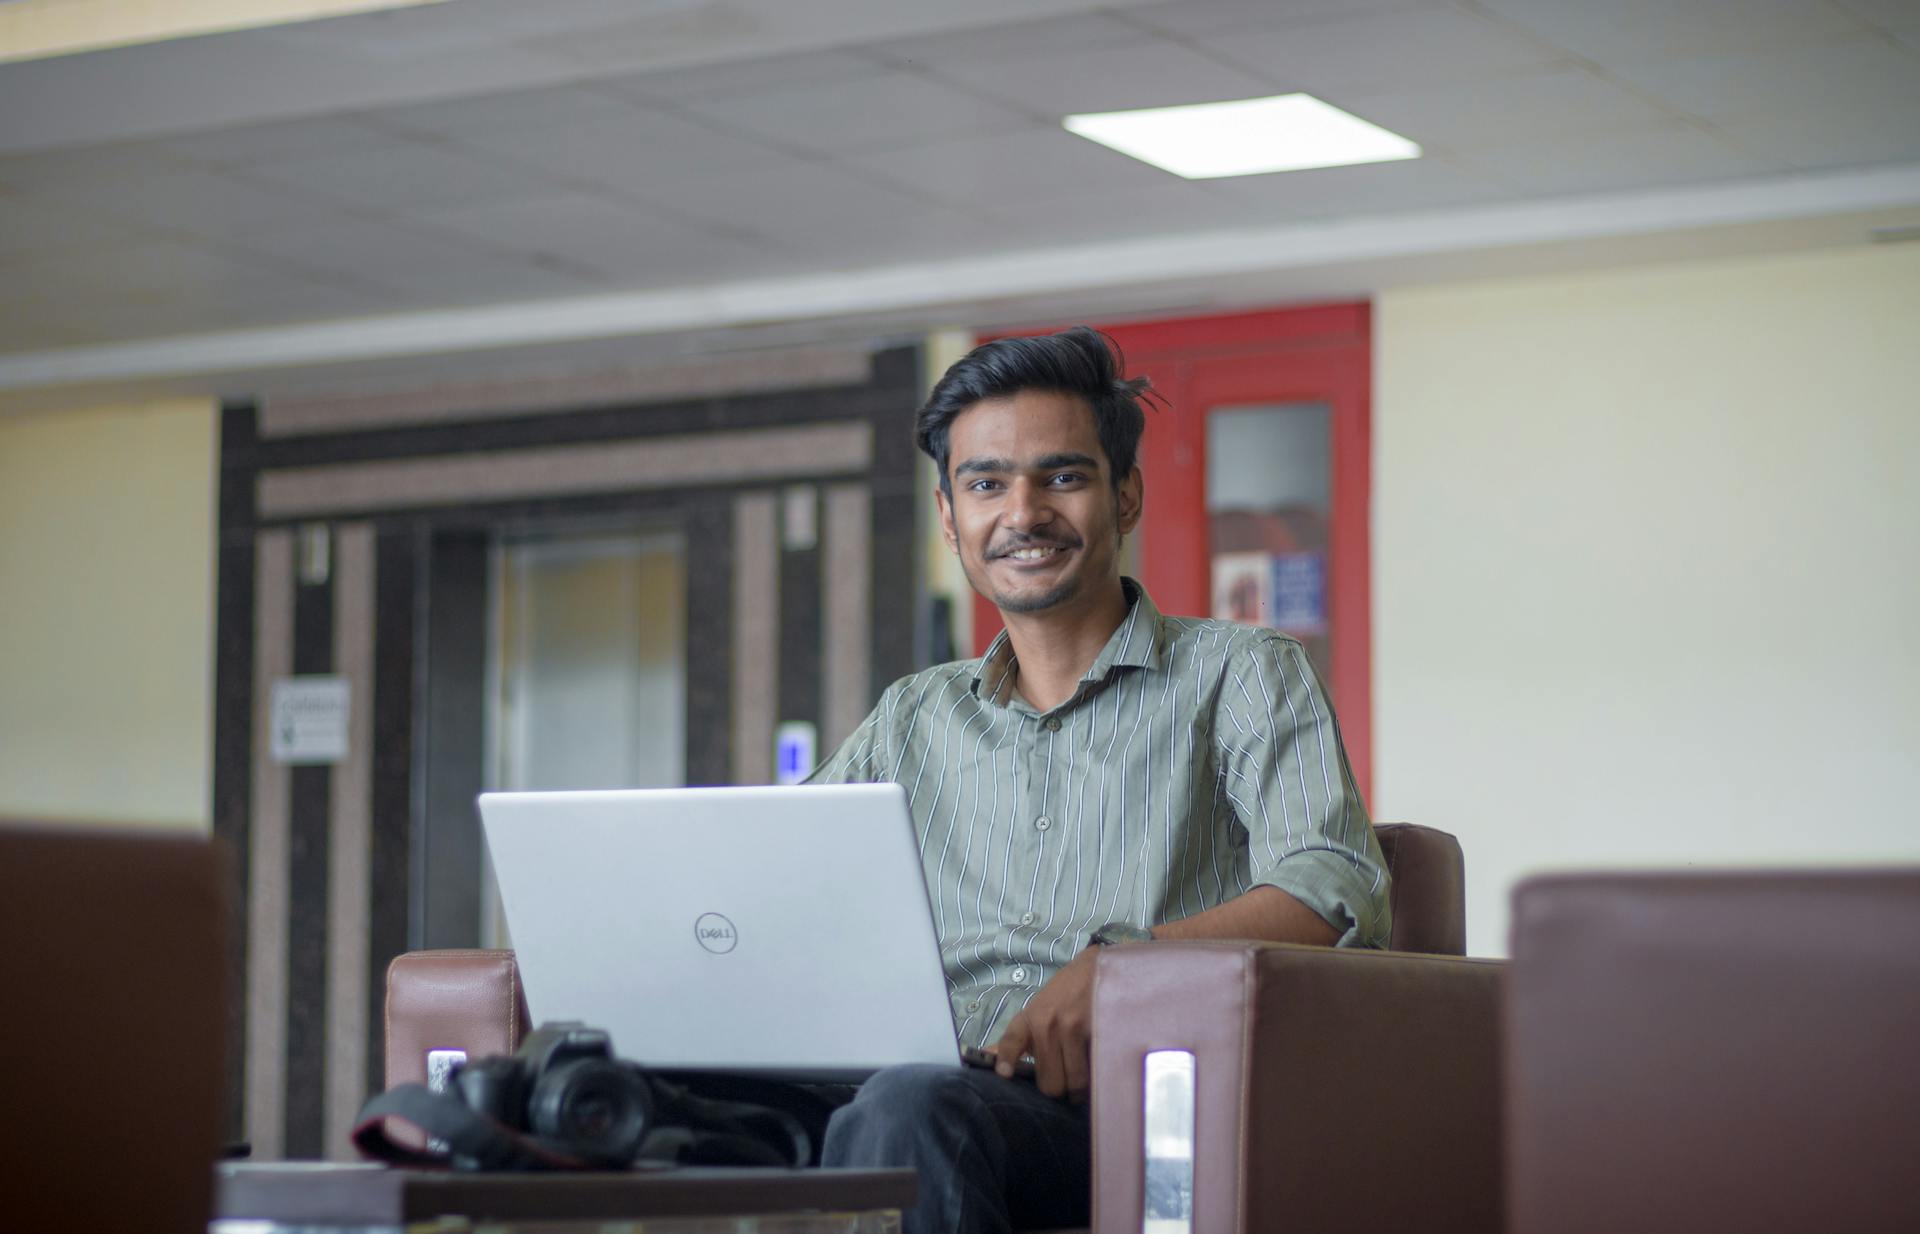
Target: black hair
pixel 1079 361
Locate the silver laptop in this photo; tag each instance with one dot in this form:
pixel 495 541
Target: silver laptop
pixel 779 931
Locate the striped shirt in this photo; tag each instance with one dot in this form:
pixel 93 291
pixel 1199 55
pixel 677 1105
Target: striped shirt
pixel 1195 760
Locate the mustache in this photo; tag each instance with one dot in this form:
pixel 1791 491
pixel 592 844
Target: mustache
pixel 1019 542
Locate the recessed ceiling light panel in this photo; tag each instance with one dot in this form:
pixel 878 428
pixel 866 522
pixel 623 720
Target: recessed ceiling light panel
pixel 1243 137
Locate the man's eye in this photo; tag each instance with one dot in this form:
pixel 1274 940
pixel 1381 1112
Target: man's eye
pixel 981 486
pixel 1067 477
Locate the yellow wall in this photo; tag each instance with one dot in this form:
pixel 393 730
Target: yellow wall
pixel 1647 567
pixel 106 613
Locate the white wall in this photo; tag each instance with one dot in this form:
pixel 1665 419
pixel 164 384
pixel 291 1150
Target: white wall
pixel 1647 567
pixel 106 613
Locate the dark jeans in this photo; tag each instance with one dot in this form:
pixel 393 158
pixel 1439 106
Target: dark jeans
pixel 993 1154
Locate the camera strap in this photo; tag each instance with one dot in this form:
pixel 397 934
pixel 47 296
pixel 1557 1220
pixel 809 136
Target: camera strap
pixel 691 1128
pixel 474 1140
pixel 715 1129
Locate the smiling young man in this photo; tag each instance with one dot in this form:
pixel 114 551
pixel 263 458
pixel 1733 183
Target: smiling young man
pixel 1104 774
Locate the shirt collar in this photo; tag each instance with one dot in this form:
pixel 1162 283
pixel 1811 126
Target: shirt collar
pixel 1137 643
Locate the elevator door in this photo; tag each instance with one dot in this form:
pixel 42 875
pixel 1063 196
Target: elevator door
pixel 591 662
pixel 588 667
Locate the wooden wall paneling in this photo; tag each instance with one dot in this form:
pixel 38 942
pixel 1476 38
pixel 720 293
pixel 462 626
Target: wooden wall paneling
pixel 307 878
pixel 709 624
pixel 268 855
pixel 233 735
pixel 389 856
pixel 446 861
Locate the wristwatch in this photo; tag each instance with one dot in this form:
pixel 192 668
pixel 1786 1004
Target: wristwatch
pixel 1119 932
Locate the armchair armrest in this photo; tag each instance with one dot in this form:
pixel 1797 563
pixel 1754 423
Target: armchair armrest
pixel 1347 1090
pixel 469 1002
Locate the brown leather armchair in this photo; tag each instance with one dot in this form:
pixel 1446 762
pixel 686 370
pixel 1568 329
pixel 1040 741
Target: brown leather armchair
pixel 114 1036
pixel 1334 1089
pixel 1692 1052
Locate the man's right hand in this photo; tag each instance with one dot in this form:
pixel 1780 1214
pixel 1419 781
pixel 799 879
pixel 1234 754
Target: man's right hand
pixel 1056 1028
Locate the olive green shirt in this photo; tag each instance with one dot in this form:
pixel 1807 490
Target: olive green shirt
pixel 1195 760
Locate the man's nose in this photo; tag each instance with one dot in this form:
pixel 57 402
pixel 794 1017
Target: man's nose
pixel 1026 506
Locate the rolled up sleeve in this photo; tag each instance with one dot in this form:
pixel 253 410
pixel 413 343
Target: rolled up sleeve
pixel 1283 766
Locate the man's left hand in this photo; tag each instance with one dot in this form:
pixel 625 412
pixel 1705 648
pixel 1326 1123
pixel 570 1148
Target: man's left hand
pixel 1056 1028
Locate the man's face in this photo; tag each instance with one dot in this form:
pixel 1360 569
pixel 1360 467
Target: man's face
pixel 1033 512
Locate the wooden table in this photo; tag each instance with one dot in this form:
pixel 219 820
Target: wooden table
pixel 335 1198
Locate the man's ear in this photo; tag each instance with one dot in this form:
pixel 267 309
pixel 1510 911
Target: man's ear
pixel 1129 501
pixel 945 505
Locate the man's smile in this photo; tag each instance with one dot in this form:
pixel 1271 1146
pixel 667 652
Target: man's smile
pixel 1032 554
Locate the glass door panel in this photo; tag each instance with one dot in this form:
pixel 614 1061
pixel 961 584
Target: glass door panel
pixel 1268 500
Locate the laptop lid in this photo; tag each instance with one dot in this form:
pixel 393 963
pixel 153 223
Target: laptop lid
pixel 764 930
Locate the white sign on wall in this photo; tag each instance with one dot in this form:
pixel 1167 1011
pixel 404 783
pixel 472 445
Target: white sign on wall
pixel 309 719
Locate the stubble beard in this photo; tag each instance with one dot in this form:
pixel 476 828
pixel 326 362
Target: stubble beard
pixel 1066 589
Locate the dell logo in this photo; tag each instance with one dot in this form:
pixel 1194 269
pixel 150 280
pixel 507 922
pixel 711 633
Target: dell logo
pixel 715 933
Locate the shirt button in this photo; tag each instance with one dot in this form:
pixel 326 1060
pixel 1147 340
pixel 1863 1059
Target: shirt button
pixel 1026 918
pixel 972 1007
pixel 1043 822
pixel 1019 974
pixel 1053 724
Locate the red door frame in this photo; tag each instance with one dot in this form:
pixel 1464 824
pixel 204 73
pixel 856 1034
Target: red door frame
pixel 1319 354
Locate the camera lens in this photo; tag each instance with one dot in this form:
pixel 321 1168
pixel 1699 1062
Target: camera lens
pixel 593 1106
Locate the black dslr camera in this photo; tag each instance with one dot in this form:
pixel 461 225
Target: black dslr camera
pixel 566 1089
pixel 564 1102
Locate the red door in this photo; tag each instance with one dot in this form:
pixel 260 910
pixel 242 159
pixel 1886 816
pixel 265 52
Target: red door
pixel 1257 473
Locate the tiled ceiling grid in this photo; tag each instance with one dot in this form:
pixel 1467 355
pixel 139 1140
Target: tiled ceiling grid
pixel 876 153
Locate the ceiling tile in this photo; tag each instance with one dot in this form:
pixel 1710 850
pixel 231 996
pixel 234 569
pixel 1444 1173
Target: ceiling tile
pixel 407 32
pixel 1173 208
pixel 1035 165
pixel 106 168
pixel 813 214
pixel 1898 16
pixel 276 302
pixel 1660 29
pixel 582 135
pixel 193 311
pixel 682 32
pixel 1858 76
pixel 1385 51
pixel 602 236
pixel 1829 139
pixel 542 109
pixel 30 228
pixel 492 21
pixel 884 108
pixel 1673 154
pixel 111 319
pixel 203 203
pixel 167 266
pixel 275 141
pixel 1160 74
pixel 1193 18
pixel 1371 188
pixel 26 327
pixel 415 264
pixel 405 175
pixel 1056 37
pixel 1561 103
pixel 741 77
